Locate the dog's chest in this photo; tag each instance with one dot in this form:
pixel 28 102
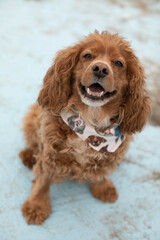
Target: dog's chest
pixel 91 163
pixel 78 147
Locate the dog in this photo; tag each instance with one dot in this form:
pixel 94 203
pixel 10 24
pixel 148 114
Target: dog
pixel 100 79
pixel 76 124
pixel 95 140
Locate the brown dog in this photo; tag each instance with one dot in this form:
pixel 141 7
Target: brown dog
pixel 95 140
pixel 102 80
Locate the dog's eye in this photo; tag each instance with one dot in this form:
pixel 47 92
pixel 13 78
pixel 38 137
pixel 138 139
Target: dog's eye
pixel 118 63
pixel 88 56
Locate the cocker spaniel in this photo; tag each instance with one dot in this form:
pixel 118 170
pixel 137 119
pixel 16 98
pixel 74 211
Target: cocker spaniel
pixel 101 81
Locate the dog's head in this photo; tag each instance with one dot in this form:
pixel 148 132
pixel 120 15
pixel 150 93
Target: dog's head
pixel 101 71
pixel 76 124
pixel 95 140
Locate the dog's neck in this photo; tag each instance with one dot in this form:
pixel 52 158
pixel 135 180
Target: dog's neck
pixel 95 116
pixel 98 116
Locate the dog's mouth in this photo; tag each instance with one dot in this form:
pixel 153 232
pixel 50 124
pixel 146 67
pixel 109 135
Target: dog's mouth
pixel 96 92
pixel 96 144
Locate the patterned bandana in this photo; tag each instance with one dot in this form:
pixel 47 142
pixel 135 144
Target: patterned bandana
pixel 104 140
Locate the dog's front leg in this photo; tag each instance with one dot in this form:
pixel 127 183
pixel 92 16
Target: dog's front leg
pixel 104 190
pixel 37 207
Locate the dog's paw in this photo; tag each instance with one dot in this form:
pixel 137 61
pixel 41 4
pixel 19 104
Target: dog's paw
pixel 104 191
pixel 35 213
pixel 27 157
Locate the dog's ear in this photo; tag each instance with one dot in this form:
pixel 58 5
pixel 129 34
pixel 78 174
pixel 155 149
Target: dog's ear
pixel 57 84
pixel 136 103
pixel 88 140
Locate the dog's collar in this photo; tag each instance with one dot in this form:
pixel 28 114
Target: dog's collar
pixel 103 140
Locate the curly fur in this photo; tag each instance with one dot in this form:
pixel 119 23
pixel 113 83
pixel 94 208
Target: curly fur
pixel 58 153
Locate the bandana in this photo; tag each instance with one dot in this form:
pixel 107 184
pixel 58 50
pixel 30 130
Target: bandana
pixel 104 140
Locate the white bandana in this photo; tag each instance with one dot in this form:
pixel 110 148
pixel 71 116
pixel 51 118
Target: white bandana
pixel 104 140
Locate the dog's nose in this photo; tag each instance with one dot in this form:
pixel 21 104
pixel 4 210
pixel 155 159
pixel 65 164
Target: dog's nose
pixel 100 70
pixel 95 141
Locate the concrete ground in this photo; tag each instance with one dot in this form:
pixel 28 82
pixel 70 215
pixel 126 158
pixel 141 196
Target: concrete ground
pixel 31 32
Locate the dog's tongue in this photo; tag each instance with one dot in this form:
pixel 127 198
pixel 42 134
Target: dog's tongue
pixel 96 88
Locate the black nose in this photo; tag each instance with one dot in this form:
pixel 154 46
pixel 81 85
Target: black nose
pixel 100 70
pixel 95 141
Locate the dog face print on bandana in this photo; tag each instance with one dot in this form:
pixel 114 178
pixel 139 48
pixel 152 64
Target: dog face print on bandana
pixel 104 140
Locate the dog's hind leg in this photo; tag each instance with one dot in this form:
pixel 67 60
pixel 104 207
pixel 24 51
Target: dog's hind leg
pixel 27 157
pixel 31 128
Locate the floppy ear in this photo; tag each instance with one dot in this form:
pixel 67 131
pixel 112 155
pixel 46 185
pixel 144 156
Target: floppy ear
pixel 87 140
pixel 136 105
pixel 57 82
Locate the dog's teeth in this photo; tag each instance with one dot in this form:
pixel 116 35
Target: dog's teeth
pixel 98 94
pixel 88 91
pixel 101 94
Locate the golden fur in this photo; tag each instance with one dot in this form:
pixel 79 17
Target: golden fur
pixel 57 152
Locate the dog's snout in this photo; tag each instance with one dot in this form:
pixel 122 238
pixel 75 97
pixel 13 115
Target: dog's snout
pixel 95 142
pixel 100 70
